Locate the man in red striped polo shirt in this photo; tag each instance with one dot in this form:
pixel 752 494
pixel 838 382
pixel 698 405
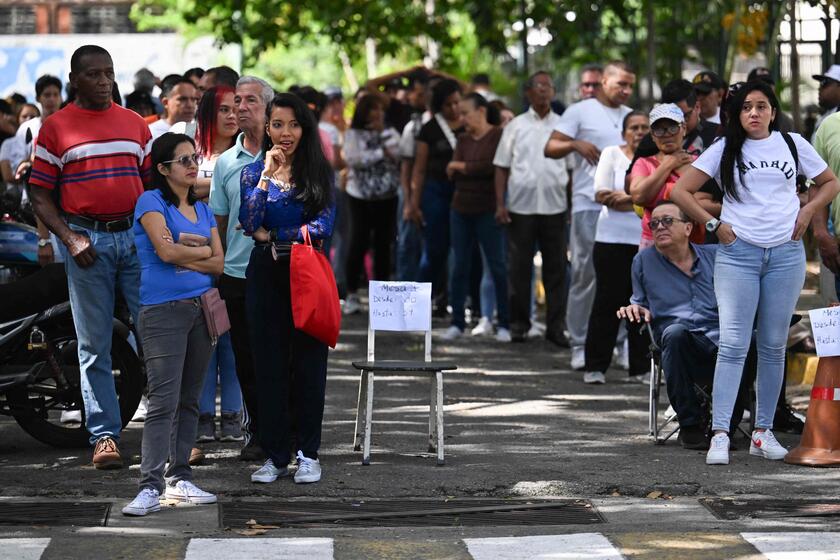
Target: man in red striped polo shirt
pixel 95 154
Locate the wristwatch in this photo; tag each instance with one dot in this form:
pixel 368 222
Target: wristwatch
pixel 43 242
pixel 712 225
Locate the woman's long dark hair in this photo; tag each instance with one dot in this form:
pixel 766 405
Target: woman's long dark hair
pixel 494 116
pixel 207 116
pixel 312 173
pixel 363 108
pixel 735 134
pixel 163 149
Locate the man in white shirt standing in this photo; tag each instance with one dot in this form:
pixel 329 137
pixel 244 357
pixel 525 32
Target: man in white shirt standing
pixel 586 128
pixel 531 200
pixel 180 102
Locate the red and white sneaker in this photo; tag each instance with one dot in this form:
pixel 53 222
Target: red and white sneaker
pixel 764 444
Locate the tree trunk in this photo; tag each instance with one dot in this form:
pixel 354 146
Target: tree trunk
pixel 733 40
pixel 651 52
pixel 794 69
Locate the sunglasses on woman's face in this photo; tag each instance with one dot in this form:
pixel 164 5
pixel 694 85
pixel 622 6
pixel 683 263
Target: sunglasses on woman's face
pixel 667 130
pixel 186 161
pixel 667 221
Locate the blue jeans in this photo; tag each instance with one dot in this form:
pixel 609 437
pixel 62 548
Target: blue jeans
pixel 754 287
pixel 222 367
pixel 409 245
pixel 435 202
pixel 467 229
pixel 92 294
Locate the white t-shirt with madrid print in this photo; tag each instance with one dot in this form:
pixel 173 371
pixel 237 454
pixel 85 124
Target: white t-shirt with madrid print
pixel 766 214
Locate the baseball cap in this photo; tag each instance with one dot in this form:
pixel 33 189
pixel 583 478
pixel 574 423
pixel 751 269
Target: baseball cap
pixel 333 92
pixel 761 73
pixel 706 81
pixel 833 73
pixel 668 111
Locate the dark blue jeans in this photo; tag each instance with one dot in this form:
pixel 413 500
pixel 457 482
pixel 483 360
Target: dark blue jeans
pixel 467 230
pixel 286 361
pixel 435 202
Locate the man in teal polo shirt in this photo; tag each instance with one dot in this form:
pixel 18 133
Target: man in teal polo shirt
pixel 251 98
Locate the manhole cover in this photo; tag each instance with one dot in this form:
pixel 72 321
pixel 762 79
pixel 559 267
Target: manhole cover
pixel 410 513
pixel 54 513
pixel 733 508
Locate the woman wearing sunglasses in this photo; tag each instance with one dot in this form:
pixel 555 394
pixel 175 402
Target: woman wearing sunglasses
pixel 179 250
pixel 760 264
pixel 653 177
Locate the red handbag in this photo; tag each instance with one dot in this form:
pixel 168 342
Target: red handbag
pixel 315 307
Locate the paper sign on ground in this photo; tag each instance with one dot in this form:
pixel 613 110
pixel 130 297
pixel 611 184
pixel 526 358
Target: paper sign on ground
pixel 825 324
pixel 400 306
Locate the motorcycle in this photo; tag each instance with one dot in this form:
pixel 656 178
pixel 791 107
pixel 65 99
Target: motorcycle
pixel 18 235
pixel 40 378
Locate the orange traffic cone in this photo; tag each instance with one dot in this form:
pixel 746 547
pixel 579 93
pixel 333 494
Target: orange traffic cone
pixel 820 444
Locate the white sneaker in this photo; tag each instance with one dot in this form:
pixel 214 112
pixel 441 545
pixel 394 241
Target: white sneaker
pixel 147 501
pixel 578 357
pixel 352 305
pixel 594 378
pixel 536 331
pixel 718 450
pixel 503 335
pixel 186 491
pixel 142 408
pixel 483 328
pixel 309 470
pixel 644 379
pixel 71 416
pixel 452 333
pixel 268 473
pixel 621 356
pixel 764 444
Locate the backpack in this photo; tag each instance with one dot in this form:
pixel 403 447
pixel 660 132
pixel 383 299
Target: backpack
pixel 801 179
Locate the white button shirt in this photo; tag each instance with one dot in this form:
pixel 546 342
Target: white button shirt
pixel 537 184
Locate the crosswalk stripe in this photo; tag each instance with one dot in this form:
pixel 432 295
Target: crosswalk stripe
pixel 796 546
pixel 585 546
pixel 260 549
pixel 22 549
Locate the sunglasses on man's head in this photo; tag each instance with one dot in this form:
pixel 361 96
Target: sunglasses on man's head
pixel 666 221
pixel 187 160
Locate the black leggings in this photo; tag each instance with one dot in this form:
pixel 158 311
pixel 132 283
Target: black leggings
pixel 380 218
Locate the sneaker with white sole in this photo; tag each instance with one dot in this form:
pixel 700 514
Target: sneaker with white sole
pixel 352 305
pixel 186 491
pixel 268 473
pixel 621 356
pixel 594 378
pixel 718 450
pixel 503 335
pixel 764 444
pixel 308 471
pixel 147 501
pixel 452 333
pixel 578 357
pixel 483 328
pixel 142 408
pixel 643 378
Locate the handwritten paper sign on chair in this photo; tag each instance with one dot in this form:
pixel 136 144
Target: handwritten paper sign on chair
pixel 825 323
pixel 400 306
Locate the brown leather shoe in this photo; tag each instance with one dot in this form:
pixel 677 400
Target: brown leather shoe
pixel 196 456
pixel 106 454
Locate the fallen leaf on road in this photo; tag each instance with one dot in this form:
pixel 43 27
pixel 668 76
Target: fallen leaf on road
pixel 655 494
pixel 251 532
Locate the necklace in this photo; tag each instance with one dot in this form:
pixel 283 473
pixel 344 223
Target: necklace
pixel 282 185
pixel 615 122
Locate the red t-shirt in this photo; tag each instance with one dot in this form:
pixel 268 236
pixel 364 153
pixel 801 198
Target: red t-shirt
pixel 644 167
pixel 98 159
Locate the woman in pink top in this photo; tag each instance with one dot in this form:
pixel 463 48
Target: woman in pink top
pixel 653 177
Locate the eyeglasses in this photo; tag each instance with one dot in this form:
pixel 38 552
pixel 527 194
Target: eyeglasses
pixel 668 130
pixel 187 160
pixel 667 221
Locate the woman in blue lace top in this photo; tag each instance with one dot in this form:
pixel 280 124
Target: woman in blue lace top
pixel 290 189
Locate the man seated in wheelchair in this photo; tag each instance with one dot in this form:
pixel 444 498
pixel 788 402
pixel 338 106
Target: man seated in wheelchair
pixel 673 289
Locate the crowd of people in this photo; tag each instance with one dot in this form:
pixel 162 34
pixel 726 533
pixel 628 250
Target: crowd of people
pixel 688 216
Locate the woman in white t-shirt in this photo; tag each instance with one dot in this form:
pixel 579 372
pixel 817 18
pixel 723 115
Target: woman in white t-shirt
pixel 616 243
pixel 760 263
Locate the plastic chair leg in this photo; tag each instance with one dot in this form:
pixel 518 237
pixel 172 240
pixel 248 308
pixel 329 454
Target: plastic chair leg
pixel 368 417
pixel 357 434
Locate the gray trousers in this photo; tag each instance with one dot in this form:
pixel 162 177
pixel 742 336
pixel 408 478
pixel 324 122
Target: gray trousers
pixel 582 285
pixel 176 348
